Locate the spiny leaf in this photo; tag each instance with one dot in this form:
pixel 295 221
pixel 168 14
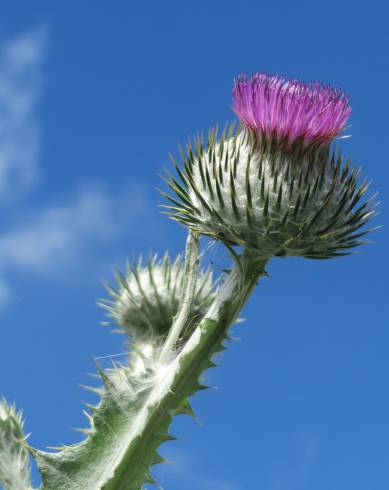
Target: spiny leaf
pixel 133 417
pixel 15 471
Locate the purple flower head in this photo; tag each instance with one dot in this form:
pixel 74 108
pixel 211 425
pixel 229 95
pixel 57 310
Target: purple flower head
pixel 292 109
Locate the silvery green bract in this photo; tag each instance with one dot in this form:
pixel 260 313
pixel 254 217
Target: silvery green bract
pixel 270 196
pixel 147 298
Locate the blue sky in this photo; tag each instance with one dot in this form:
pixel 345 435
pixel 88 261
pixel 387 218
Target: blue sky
pixel 93 97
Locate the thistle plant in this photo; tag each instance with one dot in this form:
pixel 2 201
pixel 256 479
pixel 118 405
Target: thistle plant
pixel 272 186
pixel 14 458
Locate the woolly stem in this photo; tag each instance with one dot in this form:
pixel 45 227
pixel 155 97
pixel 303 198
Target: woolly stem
pixel 172 388
pixel 179 378
pixel 119 451
pixel 189 287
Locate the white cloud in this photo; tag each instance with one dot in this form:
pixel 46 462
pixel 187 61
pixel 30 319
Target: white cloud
pixel 48 240
pixel 53 236
pixel 51 240
pixel 20 86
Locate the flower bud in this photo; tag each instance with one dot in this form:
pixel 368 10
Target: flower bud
pixel 148 297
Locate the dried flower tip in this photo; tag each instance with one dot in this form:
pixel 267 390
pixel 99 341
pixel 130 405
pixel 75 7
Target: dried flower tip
pixel 290 108
pixel 14 460
pixel 148 297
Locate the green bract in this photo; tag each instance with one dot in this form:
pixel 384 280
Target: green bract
pixel 148 296
pixel 267 196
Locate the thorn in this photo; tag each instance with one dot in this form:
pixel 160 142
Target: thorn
pixel 201 387
pixel 150 479
pixel 210 365
pixel 88 416
pixel 89 406
pixel 186 409
pixel 168 437
pixel 82 430
pixel 158 459
pixel 92 389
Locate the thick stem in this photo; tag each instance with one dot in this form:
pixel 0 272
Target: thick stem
pixel 189 287
pixel 237 288
pixel 178 379
pixel 127 430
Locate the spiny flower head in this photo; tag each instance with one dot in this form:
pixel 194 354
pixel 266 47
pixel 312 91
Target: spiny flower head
pixel 148 296
pixel 253 192
pixel 291 109
pixel 14 461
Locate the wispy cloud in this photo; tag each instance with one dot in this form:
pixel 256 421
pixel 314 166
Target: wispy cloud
pixel 50 239
pixel 20 87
